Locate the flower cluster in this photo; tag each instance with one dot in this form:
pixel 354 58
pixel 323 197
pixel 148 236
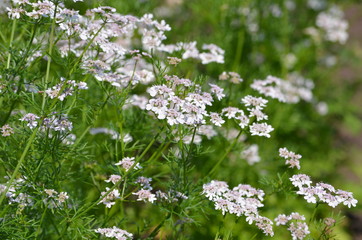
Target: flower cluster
pixel 145 195
pixel 103 39
pixel 55 199
pixel 213 53
pixel 31 120
pixel 321 192
pixel 127 163
pixel 114 232
pixel 15 196
pixel 170 196
pixel 296 225
pixel 233 77
pixel 114 135
pixel 333 24
pixel 251 154
pixel 101 45
pixel 57 123
pixel 241 200
pixel 144 182
pixel 254 106
pixel 293 90
pixel 109 199
pixel 168 103
pixel 292 159
pixel 6 130
pixel 64 89
pixel 113 179
pixel 53 122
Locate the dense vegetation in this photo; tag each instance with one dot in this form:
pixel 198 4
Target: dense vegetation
pixel 173 119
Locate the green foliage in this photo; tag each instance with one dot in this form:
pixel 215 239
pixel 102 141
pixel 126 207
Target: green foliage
pixel 100 126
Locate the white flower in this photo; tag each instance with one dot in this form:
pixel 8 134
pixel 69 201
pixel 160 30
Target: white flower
pixel 244 120
pixel 215 189
pixel 127 163
pixel 241 200
pixel 109 199
pixel 62 197
pixel 218 91
pixel 256 112
pixel 292 159
pixel 6 130
pixel 282 219
pixel 251 154
pixel 334 25
pixel 232 76
pixel 256 102
pixel 216 119
pixel 50 192
pixel 300 179
pixel 230 112
pixel 31 119
pixel 113 178
pixel 292 90
pixel 145 195
pixel 261 129
pixel 114 232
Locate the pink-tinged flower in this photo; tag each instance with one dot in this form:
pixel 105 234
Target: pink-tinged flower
pixel 109 199
pixel 31 120
pixel 216 119
pixel 6 130
pixel 255 102
pixel 261 129
pixel 145 195
pixel 113 179
pixel 127 163
pixel 114 232
pixel 282 219
pixel 218 91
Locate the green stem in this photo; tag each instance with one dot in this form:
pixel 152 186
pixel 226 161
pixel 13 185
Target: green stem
pixel 225 154
pixel 187 157
pixel 158 152
pixel 95 117
pixel 314 213
pixel 30 141
pixel 155 231
pixel 115 185
pixel 122 197
pixel 85 50
pixel 11 43
pixel 50 51
pixel 41 221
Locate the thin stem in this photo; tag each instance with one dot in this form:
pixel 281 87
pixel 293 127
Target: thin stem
pixel 85 50
pixel 30 141
pixel 225 154
pixel 188 156
pixel 41 221
pixel 11 43
pixel 314 213
pixel 155 231
pixel 95 117
pixel 117 183
pixel 50 51
pixel 158 152
pixel 122 196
